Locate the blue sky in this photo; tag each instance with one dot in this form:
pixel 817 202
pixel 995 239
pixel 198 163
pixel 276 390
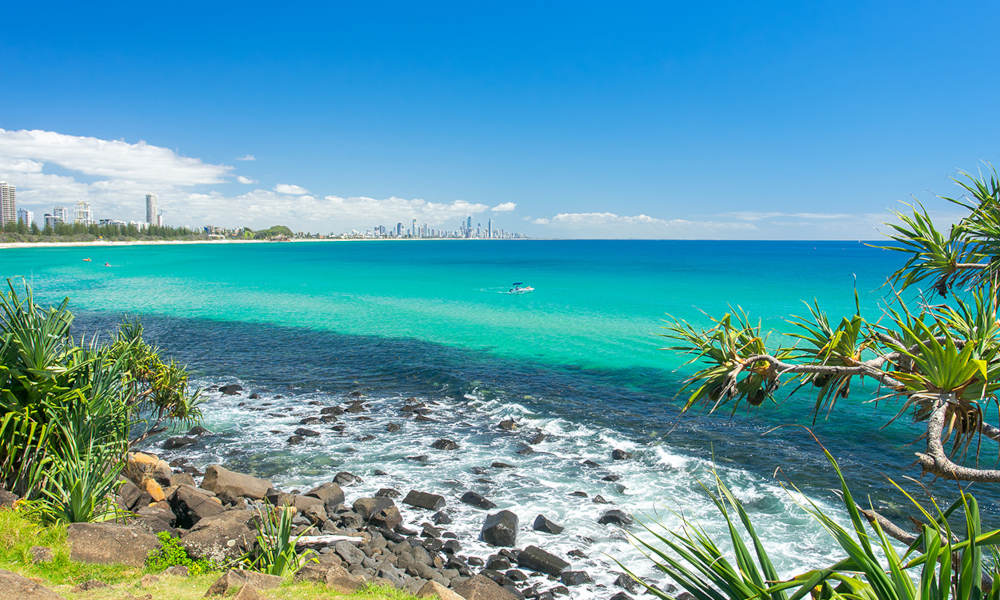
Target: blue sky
pixel 743 120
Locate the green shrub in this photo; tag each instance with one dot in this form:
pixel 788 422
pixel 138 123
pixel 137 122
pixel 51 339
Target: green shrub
pixel 275 552
pixel 172 553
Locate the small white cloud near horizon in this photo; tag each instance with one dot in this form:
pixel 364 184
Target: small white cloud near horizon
pixel 247 157
pixel 504 207
pixel 245 180
pixel 290 189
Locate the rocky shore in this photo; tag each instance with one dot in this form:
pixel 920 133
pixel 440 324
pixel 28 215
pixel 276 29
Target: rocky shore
pixel 396 537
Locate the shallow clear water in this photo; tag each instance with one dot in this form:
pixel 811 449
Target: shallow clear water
pixel 579 358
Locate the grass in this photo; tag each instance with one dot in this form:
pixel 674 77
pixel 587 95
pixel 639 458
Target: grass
pixel 18 533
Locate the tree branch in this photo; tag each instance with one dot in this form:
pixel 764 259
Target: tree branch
pixel 936 460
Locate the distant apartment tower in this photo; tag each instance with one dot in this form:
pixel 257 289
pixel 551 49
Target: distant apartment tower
pixel 8 204
pixel 25 216
pixel 152 213
pixel 83 214
pixel 58 215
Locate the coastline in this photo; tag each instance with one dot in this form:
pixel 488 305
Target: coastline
pixel 106 243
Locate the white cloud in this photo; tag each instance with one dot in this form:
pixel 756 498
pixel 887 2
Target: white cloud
pixel 245 180
pixel 613 225
pixel 247 157
pixel 291 189
pixel 504 207
pixel 764 215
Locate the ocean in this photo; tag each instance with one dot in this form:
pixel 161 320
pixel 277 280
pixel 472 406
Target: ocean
pixel 303 325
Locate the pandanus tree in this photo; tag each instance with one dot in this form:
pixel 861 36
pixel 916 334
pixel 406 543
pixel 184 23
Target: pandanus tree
pixel 70 408
pixel 935 345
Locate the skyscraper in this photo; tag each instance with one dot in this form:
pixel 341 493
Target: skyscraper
pixel 61 214
pixel 8 206
pixel 152 211
pixel 83 215
pixel 25 216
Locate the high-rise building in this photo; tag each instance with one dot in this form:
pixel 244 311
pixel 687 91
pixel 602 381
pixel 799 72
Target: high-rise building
pixel 61 214
pixel 468 227
pixel 83 214
pixel 413 228
pixel 489 229
pixel 8 205
pixel 25 216
pixel 152 210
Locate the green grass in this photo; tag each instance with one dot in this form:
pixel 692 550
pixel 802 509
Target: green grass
pixel 19 532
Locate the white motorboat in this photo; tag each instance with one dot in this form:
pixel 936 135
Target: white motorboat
pixel 518 287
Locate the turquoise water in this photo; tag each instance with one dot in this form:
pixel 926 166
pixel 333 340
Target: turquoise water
pixel 580 359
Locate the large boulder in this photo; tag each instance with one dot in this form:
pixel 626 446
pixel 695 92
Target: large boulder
pixel 220 537
pixel 433 588
pixel 424 500
pixel 536 559
pixel 14 586
pixel 235 579
pixel 500 529
pixel 330 493
pixel 110 543
pixel 140 466
pixel 191 505
pixel 615 517
pixel 379 511
pixel 228 483
pixel 340 580
pixel 546 526
pixel 479 587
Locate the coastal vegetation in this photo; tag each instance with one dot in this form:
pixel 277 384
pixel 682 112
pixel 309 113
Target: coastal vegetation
pixel 132 232
pixel 936 350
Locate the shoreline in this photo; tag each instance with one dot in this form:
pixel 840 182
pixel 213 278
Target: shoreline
pixel 109 243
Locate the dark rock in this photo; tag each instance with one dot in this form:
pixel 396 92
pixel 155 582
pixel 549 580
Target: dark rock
pixel 507 425
pixel 525 451
pixel 392 427
pixel 424 419
pixel 479 587
pixel 254 396
pixel 477 500
pixel 306 432
pixel 378 511
pixel 191 505
pixel 309 420
pixel 626 582
pixel 615 517
pixel 366 438
pixel 419 458
pixel 231 389
pixel 132 496
pixel 332 410
pixel 452 547
pixel 440 517
pixel 179 441
pixel 611 478
pixel 295 440
pixel 345 478
pixel 349 552
pixel 545 525
pixel 538 438
pixel 621 596
pixel 330 493
pixel 575 577
pixel 424 500
pixel 379 473
pixel 355 394
pixel 498 563
pixel 475 561
pixel 576 554
pixel 429 531
pixel 599 499
pixel 536 559
pixel 618 454
pixel 501 465
pixel 388 493
pixel 591 464
pixel 579 494
pixel 445 444
pixel 500 529
pixel 516 576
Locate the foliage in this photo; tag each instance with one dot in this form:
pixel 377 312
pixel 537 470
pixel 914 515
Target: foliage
pixel 941 359
pixel 274 552
pixel 277 231
pixel 935 566
pixel 68 407
pixel 172 553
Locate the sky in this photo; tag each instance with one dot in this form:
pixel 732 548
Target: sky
pixel 766 120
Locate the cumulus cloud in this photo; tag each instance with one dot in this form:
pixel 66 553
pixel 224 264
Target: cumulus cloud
pixel 504 207
pixel 247 157
pixel 613 225
pixel 245 180
pixel 290 189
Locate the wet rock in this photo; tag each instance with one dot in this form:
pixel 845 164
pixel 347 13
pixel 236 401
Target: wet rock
pixel 611 478
pixel 380 473
pixel 538 438
pixel 626 582
pixel 615 517
pixel 591 464
pixel 355 407
pixel 440 518
pixel 599 499
pixel 254 396
pixel 429 531
pixel 366 438
pixel 498 563
pixel 392 427
pixel 507 425
pixel 525 451
pixel 618 454
pixel 388 493
pixel 230 390
pixel 425 500
pixel 172 443
pixel 424 419
pixel 536 559
pixel 422 458
pixel 576 553
pixel 621 596
pixel 445 444
pixel 501 465
pixel 295 440
pixel 229 483
pixel 475 561
pixel 579 494
pixel 452 546
pixel 109 543
pixel 500 529
pixel 309 420
pixel 356 394
pixel 475 499
pixel 575 578
pixel 345 478
pixel 544 525
pixel 306 432
pixel 332 410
